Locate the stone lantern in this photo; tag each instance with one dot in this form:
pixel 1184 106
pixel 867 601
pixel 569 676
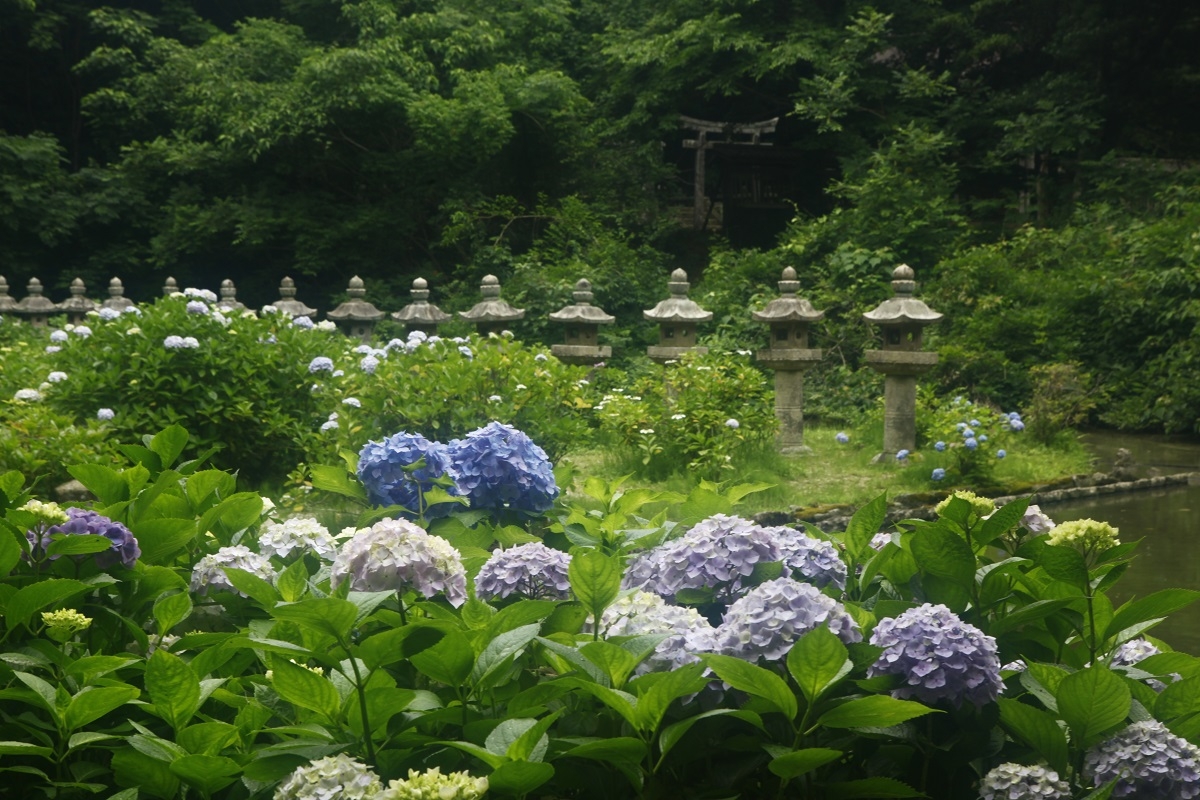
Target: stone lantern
pixel 229 301
pixel 491 315
pixel 34 306
pixel 901 319
pixel 420 314
pixel 170 287
pixel 357 316
pixel 583 321
pixel 77 305
pixel 7 303
pixel 677 317
pixel 287 302
pixel 116 296
pixel 789 357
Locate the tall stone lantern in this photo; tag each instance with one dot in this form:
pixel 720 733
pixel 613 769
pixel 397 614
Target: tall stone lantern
pixel 229 301
pixel 170 287
pixel 677 318
pixel 77 305
pixel 34 306
pixel 789 357
pixel 116 296
pixel 583 321
pixel 287 302
pixel 7 303
pixel 491 315
pixel 421 315
pixel 901 319
pixel 357 316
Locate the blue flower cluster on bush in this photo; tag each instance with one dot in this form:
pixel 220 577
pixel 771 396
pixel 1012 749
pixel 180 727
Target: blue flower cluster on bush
pixel 531 570
pixel 124 547
pixel 499 467
pixel 938 656
pixel 1151 762
pixel 772 616
pixel 381 468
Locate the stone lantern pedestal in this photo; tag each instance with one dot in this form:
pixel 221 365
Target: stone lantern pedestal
pixel 677 318
pixel 77 305
pixel 34 306
pixel 287 302
pixel 901 319
pixel 357 316
pixel 789 357
pixel 229 302
pixel 421 315
pixel 7 304
pixel 491 315
pixel 116 296
pixel 583 321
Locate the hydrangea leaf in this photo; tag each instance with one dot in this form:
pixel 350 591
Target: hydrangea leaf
pixel 302 687
pixel 875 788
pixel 450 661
pixel 1064 564
pixel 106 483
pixel 1092 701
pixel 595 580
pixel 207 773
pixel 62 544
pixel 1179 699
pixel 798 762
pixel 173 686
pixel 865 523
pixel 1037 729
pixel 1002 520
pixel 335 479
pixel 1158 604
pixel 672 734
pixel 519 777
pixel 876 711
pixel 29 599
pixel 754 680
pixel 818 661
pixel 94 702
pixel 169 443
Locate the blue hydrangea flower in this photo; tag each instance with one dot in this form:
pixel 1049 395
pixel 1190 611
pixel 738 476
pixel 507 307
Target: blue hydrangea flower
pixel 940 447
pixel 1001 453
pixel 974 423
pixel 968 433
pixel 321 364
pixel 842 437
pixel 1019 782
pixel 53 348
pixel 971 443
pixel 938 474
pixel 961 426
pixel 810 560
pixel 1016 425
pixel 983 437
pixel 530 570
pixel 938 657
pixel 1151 762
pixel 353 402
pixel 396 555
pixel 767 621
pixel 901 455
pixel 498 466
pixel 381 469
pixel 466 351
pixel 1013 415
pixel 124 548
pixel 304 323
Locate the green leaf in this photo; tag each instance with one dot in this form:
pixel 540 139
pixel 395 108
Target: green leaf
pixel 328 615
pixel 23 749
pixel 174 688
pixel 105 482
pixel 877 788
pixel 1179 699
pixel 170 610
pixel 30 599
pixel 233 514
pixel 865 523
pixel 302 687
pixel 1153 606
pixel 657 691
pixel 10 550
pixel 617 750
pixel 1037 729
pixel 63 544
pixel 207 773
pixel 253 587
pixel 875 711
pixel 798 762
pixel 11 484
pixel 398 644
pixel 595 579
pixel 208 738
pixel 519 777
pixel 44 692
pixel 382 705
pixel 496 657
pixel 1092 701
pixel 143 456
pixel 84 738
pixel 616 661
pixel 754 680
pixel 161 539
pixel 450 661
pixel 817 661
pixel 673 733
pixel 292 583
pixel 1027 614
pixel 1064 564
pixel 150 775
pixel 94 702
pixel 168 444
pixel 335 479
pixel 944 554
pixel 1002 520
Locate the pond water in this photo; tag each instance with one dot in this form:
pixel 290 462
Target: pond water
pixel 1166 521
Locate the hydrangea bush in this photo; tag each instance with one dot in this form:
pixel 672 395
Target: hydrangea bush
pixel 181 638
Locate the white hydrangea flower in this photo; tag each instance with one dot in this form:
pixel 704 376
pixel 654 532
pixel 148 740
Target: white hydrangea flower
pixel 209 573
pixel 337 777
pixel 299 535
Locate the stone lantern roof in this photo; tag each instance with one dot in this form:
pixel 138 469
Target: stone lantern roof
pixel 287 302
pixel 420 312
pixel 491 309
pixel 34 304
pixel 903 307
pixel 788 307
pixel 7 303
pixel 229 301
pixel 116 296
pixel 356 309
pixel 583 311
pixel 677 307
pixel 77 305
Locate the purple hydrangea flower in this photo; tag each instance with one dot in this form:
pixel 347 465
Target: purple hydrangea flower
pixel 1135 651
pixel 773 615
pixel 1151 762
pixel 719 553
pixel 1019 782
pixel 810 560
pixel 499 467
pixel 209 573
pixel 304 323
pixel 338 776
pixel 1035 521
pixel 531 570
pixel 880 540
pixel 396 555
pixel 124 548
pixel 320 364
pixel 940 447
pixel 381 469
pixel 53 348
pixel 938 474
pixel 842 437
pixel 640 613
pixel 937 656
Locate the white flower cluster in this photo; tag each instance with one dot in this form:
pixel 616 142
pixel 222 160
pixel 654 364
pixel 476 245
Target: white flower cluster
pixel 298 535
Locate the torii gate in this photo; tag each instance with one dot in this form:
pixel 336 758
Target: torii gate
pixel 727 130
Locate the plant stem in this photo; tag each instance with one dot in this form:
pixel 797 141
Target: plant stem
pixel 368 742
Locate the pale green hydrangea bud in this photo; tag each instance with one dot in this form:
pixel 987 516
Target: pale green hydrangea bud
pixel 980 506
pixel 337 777
pixel 62 625
pixel 46 513
pixel 433 785
pixel 1085 535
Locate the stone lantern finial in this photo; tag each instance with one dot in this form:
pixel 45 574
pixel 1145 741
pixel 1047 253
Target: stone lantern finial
pixel 34 306
pixel 491 315
pixel 420 314
pixel 77 305
pixel 789 356
pixel 677 317
pixel 357 316
pixel 229 301
pixel 901 318
pixel 170 287
pixel 583 321
pixel 116 296
pixel 7 303
pixel 287 302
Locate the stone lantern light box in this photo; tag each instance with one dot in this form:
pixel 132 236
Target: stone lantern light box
pixel 77 305
pixel 420 314
pixel 116 296
pixel 357 316
pixel 35 306
pixel 677 318
pixel 582 321
pixel 491 314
